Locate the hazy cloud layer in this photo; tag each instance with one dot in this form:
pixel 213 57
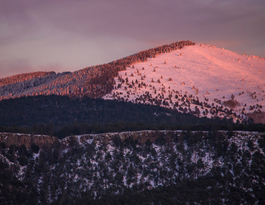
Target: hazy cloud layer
pixel 69 35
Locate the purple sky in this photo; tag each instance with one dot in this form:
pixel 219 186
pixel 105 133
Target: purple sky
pixel 64 35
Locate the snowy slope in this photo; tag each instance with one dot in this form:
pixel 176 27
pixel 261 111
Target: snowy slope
pixel 109 163
pixel 199 79
pixel 212 76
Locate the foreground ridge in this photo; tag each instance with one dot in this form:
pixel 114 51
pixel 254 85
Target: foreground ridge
pixel 123 168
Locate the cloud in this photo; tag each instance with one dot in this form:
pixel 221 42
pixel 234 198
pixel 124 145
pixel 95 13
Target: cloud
pixel 141 20
pixel 66 32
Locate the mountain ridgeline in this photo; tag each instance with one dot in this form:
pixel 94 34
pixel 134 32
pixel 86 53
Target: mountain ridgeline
pixel 151 128
pixel 200 80
pixel 94 81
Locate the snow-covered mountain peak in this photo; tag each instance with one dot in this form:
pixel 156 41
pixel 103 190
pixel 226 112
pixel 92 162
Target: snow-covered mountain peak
pixel 199 79
pixel 199 76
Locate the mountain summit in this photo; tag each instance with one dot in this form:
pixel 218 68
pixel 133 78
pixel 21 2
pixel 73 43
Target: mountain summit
pixel 199 79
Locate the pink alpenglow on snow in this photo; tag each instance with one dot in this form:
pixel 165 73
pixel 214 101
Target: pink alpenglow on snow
pixel 200 79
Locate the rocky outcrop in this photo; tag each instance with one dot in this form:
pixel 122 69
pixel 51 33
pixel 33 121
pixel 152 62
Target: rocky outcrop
pixel 27 139
pixel 141 136
pixel 19 139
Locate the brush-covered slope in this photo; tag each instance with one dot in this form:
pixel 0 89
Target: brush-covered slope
pixel 199 79
pixel 147 167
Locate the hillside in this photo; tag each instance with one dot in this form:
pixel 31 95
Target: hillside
pixel 202 80
pixel 199 79
pixel 168 125
pixel 63 116
pixel 94 81
pixel 146 167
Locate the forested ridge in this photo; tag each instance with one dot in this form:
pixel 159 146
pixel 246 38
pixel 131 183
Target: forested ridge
pixel 62 116
pixel 125 163
pixel 94 81
pixel 145 167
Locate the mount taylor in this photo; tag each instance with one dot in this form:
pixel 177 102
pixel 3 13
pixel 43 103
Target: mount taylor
pixel 202 80
pixel 176 124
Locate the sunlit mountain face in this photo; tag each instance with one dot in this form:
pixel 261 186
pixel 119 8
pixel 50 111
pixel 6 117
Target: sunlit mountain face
pixel 168 125
pixel 192 78
pixel 200 78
